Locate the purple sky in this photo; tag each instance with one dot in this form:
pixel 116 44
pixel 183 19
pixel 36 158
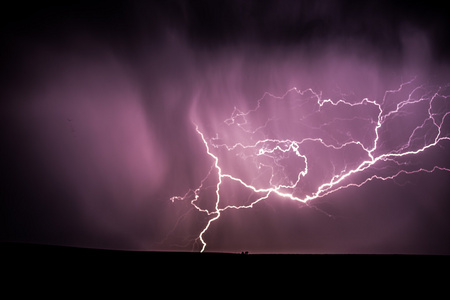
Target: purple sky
pixel 99 101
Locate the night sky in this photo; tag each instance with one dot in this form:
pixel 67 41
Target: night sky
pixel 99 100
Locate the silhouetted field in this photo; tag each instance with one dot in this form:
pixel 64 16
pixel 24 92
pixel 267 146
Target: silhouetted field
pixel 59 264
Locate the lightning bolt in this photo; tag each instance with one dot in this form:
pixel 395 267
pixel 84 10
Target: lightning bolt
pixel 276 148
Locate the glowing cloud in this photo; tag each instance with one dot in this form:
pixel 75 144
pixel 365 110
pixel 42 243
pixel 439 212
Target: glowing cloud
pixel 302 147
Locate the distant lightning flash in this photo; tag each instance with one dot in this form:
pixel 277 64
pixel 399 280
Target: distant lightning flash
pixel 302 147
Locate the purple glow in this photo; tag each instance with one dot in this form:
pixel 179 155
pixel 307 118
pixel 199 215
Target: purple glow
pixel 302 147
pixel 292 126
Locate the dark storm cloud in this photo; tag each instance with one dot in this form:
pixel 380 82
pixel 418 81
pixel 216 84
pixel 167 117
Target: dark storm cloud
pixel 98 97
pixel 375 24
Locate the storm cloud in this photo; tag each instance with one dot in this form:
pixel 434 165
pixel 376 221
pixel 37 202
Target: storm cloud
pixel 99 100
